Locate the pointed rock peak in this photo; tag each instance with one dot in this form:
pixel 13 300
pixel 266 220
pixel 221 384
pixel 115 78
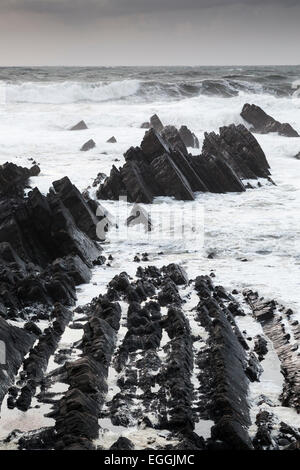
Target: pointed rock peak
pixel 112 140
pixel 90 144
pixel 262 123
pixel 80 126
pixel 156 123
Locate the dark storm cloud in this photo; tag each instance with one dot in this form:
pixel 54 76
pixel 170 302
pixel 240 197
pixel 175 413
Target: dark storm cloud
pixel 126 7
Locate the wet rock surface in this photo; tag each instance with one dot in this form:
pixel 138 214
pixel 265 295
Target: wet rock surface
pixel 90 144
pixel 15 344
pixel 47 243
pixel 162 165
pixel 112 140
pixel 160 354
pixel 285 335
pixel 80 126
pixel 262 123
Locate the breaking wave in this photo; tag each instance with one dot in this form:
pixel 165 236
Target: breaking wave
pixel 96 92
pixel 69 92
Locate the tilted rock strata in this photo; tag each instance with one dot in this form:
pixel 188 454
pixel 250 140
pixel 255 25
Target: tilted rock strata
pixel 162 166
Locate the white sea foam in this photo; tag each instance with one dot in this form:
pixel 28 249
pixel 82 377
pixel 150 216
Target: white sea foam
pixel 296 87
pixel 68 92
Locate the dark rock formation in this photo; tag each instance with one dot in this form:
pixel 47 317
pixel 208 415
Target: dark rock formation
pixel 14 179
pixel 274 435
pixel 160 363
pixel 162 165
pixel 262 123
pixel 112 140
pixel 122 444
pixel 188 137
pixel 14 345
pixel 217 175
pixel 82 214
pixel 45 244
pixel 99 178
pixel 113 187
pixel 171 179
pixel 236 146
pixel 176 273
pixel 266 312
pixel 171 135
pixel 90 144
pixel 76 414
pixel 153 145
pixel 35 364
pixel 80 126
pixel 156 123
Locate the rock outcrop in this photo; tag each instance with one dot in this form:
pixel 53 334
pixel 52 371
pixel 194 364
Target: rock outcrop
pixel 188 137
pixel 162 166
pixel 47 243
pixel 236 146
pixel 112 140
pixel 285 336
pixel 262 123
pixel 89 145
pixel 14 179
pixel 156 123
pixel 162 359
pixel 80 126
pixel 14 345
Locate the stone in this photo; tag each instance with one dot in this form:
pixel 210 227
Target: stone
pixel 90 144
pixel 79 126
pixel 73 200
pixel 262 123
pixel 112 140
pixel 188 137
pixel 156 123
pixel 15 344
pixel 153 145
pixel 170 178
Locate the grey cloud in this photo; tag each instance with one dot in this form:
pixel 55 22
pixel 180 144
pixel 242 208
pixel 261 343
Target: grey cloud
pixel 192 32
pixel 126 7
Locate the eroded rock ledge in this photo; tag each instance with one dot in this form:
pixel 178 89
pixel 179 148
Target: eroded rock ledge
pixel 164 355
pixel 162 166
pixel 285 335
pixel 262 123
pixel 47 243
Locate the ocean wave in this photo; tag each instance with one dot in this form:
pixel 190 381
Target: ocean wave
pixel 296 87
pixel 68 92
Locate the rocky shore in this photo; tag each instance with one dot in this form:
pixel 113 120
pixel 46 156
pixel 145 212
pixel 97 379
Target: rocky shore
pixel 160 361
pixel 162 165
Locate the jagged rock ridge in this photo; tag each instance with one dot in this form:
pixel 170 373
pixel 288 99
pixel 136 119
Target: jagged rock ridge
pixel 162 166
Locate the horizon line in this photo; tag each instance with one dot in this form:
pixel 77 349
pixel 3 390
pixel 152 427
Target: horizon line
pixel 151 65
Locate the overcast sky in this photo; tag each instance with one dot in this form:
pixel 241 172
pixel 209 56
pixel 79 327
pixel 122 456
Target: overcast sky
pixel 149 32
